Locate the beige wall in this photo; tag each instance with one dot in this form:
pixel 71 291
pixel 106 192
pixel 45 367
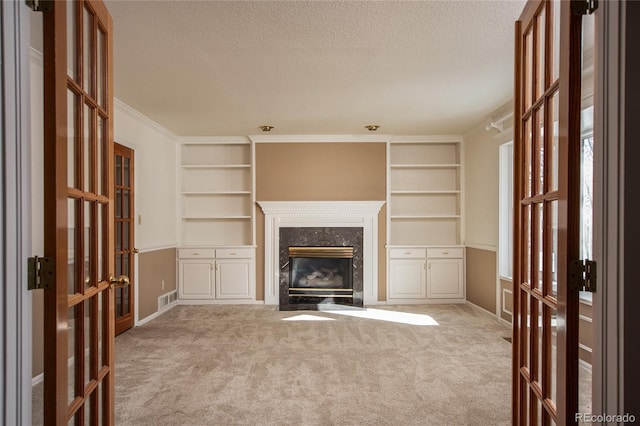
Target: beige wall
pixel 156 276
pixel 506 300
pixel 320 172
pixel 481 278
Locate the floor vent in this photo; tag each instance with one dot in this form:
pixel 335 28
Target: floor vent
pixel 166 300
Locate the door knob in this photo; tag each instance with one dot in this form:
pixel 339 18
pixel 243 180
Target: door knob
pixel 135 250
pixel 120 282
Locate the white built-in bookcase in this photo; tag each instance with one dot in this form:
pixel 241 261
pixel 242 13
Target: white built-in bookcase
pixel 425 191
pixel 216 192
pixel 425 208
pixel 425 229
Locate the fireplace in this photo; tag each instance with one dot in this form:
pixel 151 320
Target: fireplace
pixel 321 223
pixel 320 275
pixel 320 266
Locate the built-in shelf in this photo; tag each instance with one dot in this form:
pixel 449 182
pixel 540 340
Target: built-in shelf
pixel 217 202
pixel 425 194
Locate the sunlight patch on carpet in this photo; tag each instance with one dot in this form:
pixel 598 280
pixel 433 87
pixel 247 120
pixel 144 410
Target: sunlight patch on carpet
pixel 392 316
pixel 307 317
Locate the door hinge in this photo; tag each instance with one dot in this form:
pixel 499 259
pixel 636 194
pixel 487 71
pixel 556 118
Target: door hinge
pixel 584 7
pixel 582 275
pixel 40 273
pixel 40 5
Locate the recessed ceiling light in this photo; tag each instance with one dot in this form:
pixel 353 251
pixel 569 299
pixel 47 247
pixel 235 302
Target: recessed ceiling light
pixel 266 128
pixel 372 127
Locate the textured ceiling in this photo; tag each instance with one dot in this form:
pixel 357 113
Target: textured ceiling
pixel 203 68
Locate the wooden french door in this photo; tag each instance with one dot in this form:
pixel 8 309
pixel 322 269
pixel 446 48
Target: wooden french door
pixel 78 219
pixel 124 236
pixel 547 218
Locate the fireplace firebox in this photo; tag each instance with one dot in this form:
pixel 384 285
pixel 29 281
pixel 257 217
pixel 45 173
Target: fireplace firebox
pixel 320 275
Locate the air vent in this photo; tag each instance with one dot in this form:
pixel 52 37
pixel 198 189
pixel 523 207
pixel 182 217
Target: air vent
pixel 167 300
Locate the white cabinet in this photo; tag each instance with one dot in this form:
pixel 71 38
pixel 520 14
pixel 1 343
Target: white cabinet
pixel 424 275
pixel 196 279
pixel 407 274
pixel 408 279
pixel 445 273
pixel 234 274
pixel 216 275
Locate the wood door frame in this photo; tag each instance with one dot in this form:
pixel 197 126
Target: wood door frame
pixel 132 233
pixel 612 221
pixel 15 223
pixel 533 100
pixel 57 194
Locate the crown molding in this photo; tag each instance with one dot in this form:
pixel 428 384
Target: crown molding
pixel 120 106
pixel 194 140
pixel 319 138
pixel 427 139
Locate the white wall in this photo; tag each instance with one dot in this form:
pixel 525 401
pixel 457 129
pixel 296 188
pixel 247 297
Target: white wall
pixel 156 153
pixel 481 152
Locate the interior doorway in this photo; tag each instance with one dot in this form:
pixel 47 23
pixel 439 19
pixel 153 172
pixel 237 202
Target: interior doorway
pixel 124 235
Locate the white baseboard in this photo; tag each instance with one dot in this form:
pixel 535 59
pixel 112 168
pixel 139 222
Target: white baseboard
pixel 476 307
pixel 155 315
pixel 425 301
pixel 220 302
pixel 36 380
pixel 376 303
pixel 505 322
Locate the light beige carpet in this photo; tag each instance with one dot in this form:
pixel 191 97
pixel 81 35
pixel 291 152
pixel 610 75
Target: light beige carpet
pixel 252 365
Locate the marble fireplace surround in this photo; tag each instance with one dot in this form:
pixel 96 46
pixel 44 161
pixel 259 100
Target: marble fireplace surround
pixel 320 214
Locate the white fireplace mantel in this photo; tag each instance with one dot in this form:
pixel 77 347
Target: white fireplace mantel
pixel 289 214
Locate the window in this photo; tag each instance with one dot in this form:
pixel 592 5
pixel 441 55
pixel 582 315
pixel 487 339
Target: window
pixel 505 224
pixel 586 190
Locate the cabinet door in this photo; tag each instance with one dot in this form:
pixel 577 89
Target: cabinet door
pixel 196 279
pixel 233 278
pixel 445 278
pixel 407 279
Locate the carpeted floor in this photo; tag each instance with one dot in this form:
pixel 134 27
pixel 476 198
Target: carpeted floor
pixel 252 365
